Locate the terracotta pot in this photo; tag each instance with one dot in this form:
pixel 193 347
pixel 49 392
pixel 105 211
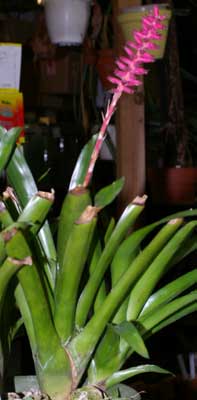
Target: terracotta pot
pixel 172 185
pixel 130 19
pixel 105 66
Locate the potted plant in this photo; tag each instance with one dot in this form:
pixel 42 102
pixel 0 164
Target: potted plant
pixel 171 171
pixel 82 326
pixel 129 20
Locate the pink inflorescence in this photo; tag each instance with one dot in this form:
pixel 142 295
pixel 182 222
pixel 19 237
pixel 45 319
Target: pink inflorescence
pixel 130 66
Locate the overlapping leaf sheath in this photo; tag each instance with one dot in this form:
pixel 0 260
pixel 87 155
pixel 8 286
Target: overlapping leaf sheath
pixel 68 279
pixel 22 181
pixel 126 221
pixel 74 204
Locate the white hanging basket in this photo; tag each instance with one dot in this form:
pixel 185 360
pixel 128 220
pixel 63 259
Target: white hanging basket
pixel 67 21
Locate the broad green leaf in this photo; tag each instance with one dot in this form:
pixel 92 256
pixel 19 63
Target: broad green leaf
pixel 20 177
pixel 7 144
pixel 129 332
pixel 106 195
pixel 82 164
pixel 122 375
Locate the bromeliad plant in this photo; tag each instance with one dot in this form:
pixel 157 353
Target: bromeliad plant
pixel 90 302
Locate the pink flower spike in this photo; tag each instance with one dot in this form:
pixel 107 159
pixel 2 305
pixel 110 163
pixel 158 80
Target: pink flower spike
pixel 155 35
pixel 157 14
pixel 156 11
pixel 121 65
pixel 128 50
pixel 146 58
pixel 134 82
pixel 129 43
pixel 128 90
pixel 119 73
pixel 135 46
pixel 151 46
pixel 140 71
pixel 126 60
pixel 142 34
pixel 159 26
pixel 114 80
pixel 115 90
pixel 148 21
pixel 129 68
pixel 137 38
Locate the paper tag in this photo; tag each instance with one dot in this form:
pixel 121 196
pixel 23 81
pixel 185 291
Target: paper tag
pixel 10 65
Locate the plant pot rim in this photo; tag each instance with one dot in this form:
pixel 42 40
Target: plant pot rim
pixel 144 8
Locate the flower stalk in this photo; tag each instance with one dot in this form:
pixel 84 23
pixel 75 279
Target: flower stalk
pixel 126 75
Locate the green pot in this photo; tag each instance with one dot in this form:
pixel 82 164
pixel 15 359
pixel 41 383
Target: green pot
pixel 130 20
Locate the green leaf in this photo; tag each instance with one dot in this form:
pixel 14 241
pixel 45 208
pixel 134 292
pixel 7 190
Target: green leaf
pixel 125 223
pixel 82 164
pixel 44 175
pixel 122 375
pixel 22 181
pixel 146 284
pixel 7 144
pixel 7 270
pixel 160 314
pixel 107 349
pixel 106 195
pixel 169 292
pixel 124 392
pixel 129 332
pixel 20 177
pixel 183 312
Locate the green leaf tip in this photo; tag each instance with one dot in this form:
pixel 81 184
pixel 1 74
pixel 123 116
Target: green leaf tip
pixel 106 195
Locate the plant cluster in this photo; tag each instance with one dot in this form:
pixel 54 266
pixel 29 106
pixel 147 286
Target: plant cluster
pixel 90 301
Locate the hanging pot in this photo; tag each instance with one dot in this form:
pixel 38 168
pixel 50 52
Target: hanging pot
pixel 67 21
pixel 130 20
